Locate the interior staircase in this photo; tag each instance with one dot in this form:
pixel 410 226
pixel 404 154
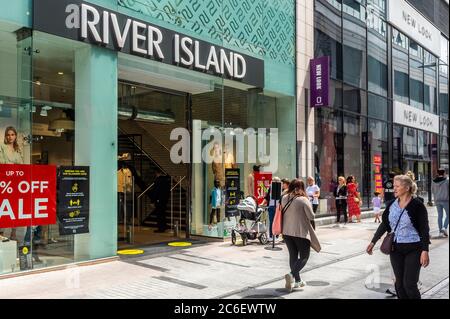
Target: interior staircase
pixel 148 154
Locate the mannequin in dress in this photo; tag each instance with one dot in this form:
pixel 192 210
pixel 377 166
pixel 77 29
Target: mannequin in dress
pixel 10 153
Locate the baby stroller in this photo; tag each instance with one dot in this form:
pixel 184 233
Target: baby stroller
pixel 250 226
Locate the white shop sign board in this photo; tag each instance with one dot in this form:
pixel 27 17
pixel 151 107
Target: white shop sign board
pixel 409 21
pixel 413 117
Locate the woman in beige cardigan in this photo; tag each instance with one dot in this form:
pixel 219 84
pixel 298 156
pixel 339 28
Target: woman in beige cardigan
pixel 298 233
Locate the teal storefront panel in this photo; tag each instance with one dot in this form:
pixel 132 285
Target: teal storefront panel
pixel 18 12
pixel 261 28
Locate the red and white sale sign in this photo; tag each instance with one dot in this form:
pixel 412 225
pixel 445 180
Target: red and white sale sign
pixel 27 195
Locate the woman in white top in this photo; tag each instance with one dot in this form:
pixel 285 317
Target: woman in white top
pixel 313 192
pixel 10 153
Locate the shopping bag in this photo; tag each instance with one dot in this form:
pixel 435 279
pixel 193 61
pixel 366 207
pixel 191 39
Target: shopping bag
pixel 277 221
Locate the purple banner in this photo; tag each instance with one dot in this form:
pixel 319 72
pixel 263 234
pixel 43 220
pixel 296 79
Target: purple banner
pixel 319 81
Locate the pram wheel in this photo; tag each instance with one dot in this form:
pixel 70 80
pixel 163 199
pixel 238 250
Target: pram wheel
pixel 263 238
pixel 244 239
pixel 233 237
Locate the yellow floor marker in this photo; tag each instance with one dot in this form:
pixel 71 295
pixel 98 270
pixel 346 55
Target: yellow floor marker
pixel 180 244
pixel 130 252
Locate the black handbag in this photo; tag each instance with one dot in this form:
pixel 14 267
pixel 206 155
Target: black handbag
pixel 387 246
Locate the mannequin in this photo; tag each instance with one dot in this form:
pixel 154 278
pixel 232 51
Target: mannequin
pixel 216 200
pixel 251 181
pixel 229 158
pixel 217 164
pixel 124 185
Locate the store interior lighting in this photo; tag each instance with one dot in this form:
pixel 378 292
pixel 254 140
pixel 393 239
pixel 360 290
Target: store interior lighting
pixel 44 110
pixel 62 124
pixel 132 113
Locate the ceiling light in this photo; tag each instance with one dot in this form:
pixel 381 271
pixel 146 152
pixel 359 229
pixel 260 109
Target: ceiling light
pixel 62 124
pixel 38 82
pixel 60 73
pixel 44 110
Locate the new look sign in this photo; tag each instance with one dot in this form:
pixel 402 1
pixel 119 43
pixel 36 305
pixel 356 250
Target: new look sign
pixel 82 21
pixel 411 22
pixel 415 118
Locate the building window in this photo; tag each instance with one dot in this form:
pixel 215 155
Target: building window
pixel 328 152
pixel 379 152
pixel 377 55
pixel 355 100
pixel 377 107
pixel 416 72
pixel 354 52
pixel 328 38
pixel 430 83
pixel 400 66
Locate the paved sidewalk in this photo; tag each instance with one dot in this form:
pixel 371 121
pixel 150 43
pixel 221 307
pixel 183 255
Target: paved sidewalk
pixel 220 270
pixel 440 291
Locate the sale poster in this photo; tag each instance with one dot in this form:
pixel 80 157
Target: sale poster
pixel 378 177
pixel 27 195
pixel 262 185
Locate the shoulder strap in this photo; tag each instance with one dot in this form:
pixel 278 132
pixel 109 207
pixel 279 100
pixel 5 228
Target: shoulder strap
pixel 398 222
pixel 283 209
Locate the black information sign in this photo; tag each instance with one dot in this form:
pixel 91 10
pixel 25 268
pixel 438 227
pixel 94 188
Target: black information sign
pixel 232 191
pixel 73 200
pixel 25 260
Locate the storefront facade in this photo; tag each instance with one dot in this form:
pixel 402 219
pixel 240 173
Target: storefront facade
pixel 388 106
pixel 87 83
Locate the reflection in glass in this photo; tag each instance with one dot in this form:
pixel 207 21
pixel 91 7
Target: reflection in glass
pixel 354 52
pixel 430 69
pixel 416 72
pixel 327 39
pixel 377 55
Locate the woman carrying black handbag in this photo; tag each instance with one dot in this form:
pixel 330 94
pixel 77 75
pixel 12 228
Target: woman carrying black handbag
pixel 410 241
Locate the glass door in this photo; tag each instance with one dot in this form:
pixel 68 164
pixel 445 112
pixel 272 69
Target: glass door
pixel 422 171
pixel 15 142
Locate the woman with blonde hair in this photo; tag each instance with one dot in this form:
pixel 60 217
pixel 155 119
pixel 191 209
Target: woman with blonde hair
pixel 407 218
pixel 10 153
pixel 340 193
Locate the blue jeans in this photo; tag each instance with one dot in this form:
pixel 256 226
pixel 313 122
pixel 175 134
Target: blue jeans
pixel 441 206
pixel 271 211
pixel 37 232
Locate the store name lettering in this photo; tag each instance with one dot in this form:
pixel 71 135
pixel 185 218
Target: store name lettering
pixel 417 119
pixel 147 40
pixel 319 77
pixel 416 25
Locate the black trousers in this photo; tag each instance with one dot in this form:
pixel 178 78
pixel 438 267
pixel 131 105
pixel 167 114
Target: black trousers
pixel 405 261
pixel 216 212
pixel 160 212
pixel 313 223
pixel 341 208
pixel 299 249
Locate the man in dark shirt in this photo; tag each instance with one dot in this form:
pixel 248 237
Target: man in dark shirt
pixel 160 194
pixel 388 188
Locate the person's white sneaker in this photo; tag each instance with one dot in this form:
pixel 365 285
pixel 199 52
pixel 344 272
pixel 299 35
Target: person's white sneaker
pixel 289 281
pixel 299 284
pixel 444 232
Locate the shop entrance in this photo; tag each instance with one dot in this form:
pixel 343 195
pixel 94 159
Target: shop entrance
pixel 152 190
pixel 422 172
